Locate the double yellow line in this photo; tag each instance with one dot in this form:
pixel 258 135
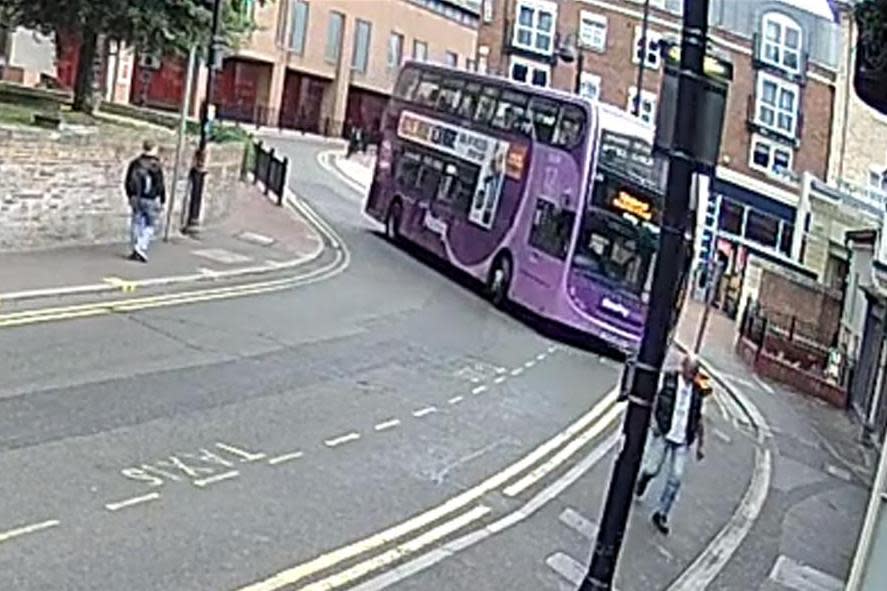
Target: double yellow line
pixel 413 535
pixel 337 265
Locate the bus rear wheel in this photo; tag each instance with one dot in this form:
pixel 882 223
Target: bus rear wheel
pixel 392 222
pixel 499 281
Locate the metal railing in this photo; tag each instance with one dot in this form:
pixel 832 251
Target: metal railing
pixel 270 170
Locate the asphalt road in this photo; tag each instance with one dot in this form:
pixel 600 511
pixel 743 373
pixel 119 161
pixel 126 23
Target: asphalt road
pixel 210 446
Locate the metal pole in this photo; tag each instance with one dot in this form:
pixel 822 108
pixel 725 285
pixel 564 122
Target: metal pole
pixel 636 109
pixel 183 121
pixel 860 572
pixel 714 277
pixel 666 279
pixel 198 173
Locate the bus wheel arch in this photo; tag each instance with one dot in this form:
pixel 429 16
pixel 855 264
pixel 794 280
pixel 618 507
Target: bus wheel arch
pixel 393 219
pixel 500 277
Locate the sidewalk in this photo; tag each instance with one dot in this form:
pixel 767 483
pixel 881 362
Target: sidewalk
pixel 256 237
pixel 821 474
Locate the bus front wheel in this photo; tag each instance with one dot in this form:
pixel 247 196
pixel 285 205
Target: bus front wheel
pixel 392 222
pixel 500 281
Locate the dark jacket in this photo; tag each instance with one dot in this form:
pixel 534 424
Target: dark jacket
pixel 665 402
pixel 144 179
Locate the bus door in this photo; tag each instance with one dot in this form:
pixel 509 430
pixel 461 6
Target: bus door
pixel 553 196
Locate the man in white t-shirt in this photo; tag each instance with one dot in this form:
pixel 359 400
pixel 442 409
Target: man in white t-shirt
pixel 677 424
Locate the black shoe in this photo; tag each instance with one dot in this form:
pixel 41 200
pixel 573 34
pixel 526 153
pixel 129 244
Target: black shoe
pixel 139 257
pixel 643 482
pixel 661 523
pixel 133 256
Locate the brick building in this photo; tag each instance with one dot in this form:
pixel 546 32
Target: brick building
pixel 786 57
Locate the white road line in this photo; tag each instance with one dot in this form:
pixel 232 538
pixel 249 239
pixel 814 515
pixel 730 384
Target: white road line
pixel 475 380
pixel 501 370
pixel 529 364
pixel 540 356
pixel 133 501
pixel 711 561
pixel 422 412
pixel 567 567
pixel 285 458
pixel 204 482
pixel 479 390
pixel 552 349
pixel 27 529
pixel 578 523
pixel 794 575
pixel 385 425
pixel 764 385
pixel 517 371
pixel 456 399
pixel 353 436
pixel 453 547
pixel 499 380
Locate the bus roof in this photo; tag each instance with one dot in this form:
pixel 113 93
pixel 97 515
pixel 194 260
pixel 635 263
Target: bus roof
pixel 615 119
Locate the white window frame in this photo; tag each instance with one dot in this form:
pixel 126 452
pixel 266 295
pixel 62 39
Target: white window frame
pixel 781 86
pixel 646 97
pixel 358 65
pixel 590 79
pixel 538 8
pixel 395 58
pixel 451 58
pixel 784 23
pixel 417 43
pixel 298 35
pixel 531 66
pixel 772 148
pixel 593 31
pixel 487 10
pixel 652 55
pixel 877 172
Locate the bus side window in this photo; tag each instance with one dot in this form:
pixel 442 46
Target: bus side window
pixel 468 102
pixel 511 113
pixel 428 91
pixel 408 170
pixel 407 84
pixel 543 113
pixel 570 126
pixel 486 105
pixel 450 95
pixel 552 228
pixel 429 177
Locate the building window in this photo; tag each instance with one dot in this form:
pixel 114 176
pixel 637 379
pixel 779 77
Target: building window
pixel 470 64
pixel 647 111
pixel 452 59
pixel 731 217
pixel 651 54
pixel 781 42
pixel 488 10
pixel 334 31
pixel 770 157
pixel 300 27
pixel 878 179
pixel 762 228
pixel 590 86
pixel 534 27
pixel 283 13
pixel 395 50
pixel 593 31
pixel 777 105
pixel 420 50
pixel 529 72
pixel 361 55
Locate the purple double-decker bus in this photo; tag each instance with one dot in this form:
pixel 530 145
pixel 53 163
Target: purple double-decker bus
pixel 551 200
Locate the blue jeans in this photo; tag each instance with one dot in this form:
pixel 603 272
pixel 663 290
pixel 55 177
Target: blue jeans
pixel 144 221
pixel 659 450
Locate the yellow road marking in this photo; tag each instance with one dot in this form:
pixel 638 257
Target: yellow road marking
pixel 325 561
pixel 397 553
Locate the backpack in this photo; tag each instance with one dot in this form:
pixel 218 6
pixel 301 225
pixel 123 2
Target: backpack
pixel 141 183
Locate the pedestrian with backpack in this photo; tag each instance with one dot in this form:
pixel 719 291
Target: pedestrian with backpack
pixel 146 191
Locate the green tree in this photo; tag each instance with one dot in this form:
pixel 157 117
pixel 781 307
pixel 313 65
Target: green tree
pixel 149 25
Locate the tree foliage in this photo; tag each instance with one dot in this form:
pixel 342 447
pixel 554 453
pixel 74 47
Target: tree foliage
pixel 148 25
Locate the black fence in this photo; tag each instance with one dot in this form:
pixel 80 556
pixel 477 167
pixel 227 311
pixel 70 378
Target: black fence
pixel 270 170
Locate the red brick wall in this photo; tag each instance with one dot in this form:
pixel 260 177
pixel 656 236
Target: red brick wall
pixel 782 299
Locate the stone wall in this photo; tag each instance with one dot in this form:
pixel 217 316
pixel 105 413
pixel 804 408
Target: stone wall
pixel 66 188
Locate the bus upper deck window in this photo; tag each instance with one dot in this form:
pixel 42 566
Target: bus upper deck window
pixel 570 127
pixel 511 112
pixel 407 84
pixel 468 102
pixel 543 113
pixel 428 90
pixel 486 105
pixel 450 95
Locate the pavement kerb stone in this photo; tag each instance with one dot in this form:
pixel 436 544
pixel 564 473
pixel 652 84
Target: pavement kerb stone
pixel 126 286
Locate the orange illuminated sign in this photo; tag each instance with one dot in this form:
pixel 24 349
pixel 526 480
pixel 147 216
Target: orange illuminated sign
pixel 630 204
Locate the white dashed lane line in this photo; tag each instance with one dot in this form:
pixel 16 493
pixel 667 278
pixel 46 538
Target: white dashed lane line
pixel 342 439
pixel 385 425
pixel 517 371
pixel 456 399
pixel 285 458
pixel 424 412
pixel 132 502
pixel 499 380
pixel 479 390
pixel 27 529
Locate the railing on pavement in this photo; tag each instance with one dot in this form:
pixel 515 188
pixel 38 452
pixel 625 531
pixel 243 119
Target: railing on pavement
pixel 270 170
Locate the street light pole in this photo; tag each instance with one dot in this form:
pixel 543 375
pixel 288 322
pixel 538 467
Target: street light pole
pixel 198 171
pixel 666 280
pixel 645 27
